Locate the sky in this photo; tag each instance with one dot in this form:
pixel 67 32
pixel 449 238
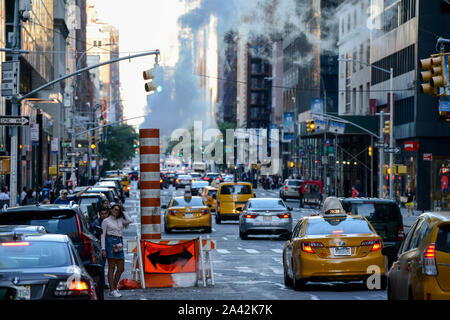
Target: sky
pixel 144 25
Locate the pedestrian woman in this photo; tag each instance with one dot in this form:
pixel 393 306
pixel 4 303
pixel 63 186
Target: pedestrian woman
pixel 112 246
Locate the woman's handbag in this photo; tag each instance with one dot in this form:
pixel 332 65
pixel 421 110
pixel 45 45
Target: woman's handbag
pixel 403 199
pixel 116 248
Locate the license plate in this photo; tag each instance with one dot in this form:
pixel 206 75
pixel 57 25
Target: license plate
pixel 267 218
pixel 24 292
pixel 342 251
pixel 188 215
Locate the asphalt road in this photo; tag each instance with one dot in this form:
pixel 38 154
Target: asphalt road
pixel 243 269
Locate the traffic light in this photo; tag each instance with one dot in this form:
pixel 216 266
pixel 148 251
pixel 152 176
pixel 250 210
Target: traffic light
pixel 436 74
pixel 151 74
pixel 93 143
pixel 291 164
pixel 387 127
pixel 427 65
pixel 310 125
pixel 370 151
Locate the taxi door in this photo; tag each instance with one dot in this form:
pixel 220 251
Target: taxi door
pixel 404 264
pixel 289 248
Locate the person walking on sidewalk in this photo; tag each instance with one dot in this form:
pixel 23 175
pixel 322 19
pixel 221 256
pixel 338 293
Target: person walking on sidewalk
pixel 112 246
pixel 410 201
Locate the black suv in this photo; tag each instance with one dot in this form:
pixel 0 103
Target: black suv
pixel 383 214
pixel 64 219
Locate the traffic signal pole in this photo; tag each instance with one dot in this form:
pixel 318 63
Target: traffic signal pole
pixel 391 135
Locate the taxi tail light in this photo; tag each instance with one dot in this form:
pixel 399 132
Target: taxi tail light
pixel 286 188
pixel 203 211
pixel 251 216
pixel 172 213
pixel 308 246
pixel 401 233
pixel 284 215
pixel 76 287
pixel 429 260
pixel 376 244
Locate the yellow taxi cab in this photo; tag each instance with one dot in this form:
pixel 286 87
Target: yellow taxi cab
pixel 124 181
pixel 209 195
pixel 334 246
pixel 422 269
pixel 231 198
pixel 187 212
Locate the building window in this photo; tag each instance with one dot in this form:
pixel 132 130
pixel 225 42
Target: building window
pixel 361 55
pixel 402 62
pixel 404 111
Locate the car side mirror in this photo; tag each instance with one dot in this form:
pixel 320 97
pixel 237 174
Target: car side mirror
pixel 239 209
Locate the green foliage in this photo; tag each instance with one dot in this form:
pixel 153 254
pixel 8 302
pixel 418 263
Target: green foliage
pixel 117 147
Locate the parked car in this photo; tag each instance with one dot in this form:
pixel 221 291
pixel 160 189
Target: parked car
pixel 211 176
pixel 265 216
pixel 64 219
pixel 113 184
pixel 110 193
pixel 43 267
pixel 196 175
pixel 93 200
pixel 289 189
pixel 421 270
pixel 383 214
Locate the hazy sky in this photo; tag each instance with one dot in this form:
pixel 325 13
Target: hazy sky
pixel 144 25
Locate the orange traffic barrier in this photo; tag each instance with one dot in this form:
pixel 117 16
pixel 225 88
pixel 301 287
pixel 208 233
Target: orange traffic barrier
pixel 172 262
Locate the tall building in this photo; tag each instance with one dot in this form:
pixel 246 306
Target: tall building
pixel 103 41
pixel 406 31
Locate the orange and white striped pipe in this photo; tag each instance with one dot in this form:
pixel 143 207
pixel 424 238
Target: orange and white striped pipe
pixel 150 185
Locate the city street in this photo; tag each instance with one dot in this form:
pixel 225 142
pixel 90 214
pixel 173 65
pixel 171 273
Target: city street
pixel 250 269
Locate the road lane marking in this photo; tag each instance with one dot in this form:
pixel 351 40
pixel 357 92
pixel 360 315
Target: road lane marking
pixel 222 251
pixel 276 270
pixel 277 250
pixel 253 251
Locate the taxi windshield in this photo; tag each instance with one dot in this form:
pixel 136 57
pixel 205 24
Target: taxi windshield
pixel 235 189
pixel 186 202
pixel 336 226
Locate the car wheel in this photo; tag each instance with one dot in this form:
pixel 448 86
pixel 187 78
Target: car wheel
pixel 287 279
pixel 297 284
pixel 100 286
pixel 243 235
pixel 207 230
pixel 383 283
pixel 389 291
pixel 218 220
pixel 167 230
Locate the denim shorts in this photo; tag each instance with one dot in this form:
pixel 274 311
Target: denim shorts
pixel 109 241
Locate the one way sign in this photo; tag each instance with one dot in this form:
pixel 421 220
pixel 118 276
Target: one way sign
pixel 14 121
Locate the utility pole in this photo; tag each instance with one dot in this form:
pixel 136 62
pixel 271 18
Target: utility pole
pixel 14 111
pixel 391 136
pixel 381 154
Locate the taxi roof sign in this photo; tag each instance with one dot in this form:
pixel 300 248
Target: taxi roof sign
pixel 187 192
pixel 332 207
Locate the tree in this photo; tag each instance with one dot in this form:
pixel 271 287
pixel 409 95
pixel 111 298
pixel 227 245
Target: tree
pixel 117 146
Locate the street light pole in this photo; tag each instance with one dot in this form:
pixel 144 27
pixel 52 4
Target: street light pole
pixel 391 136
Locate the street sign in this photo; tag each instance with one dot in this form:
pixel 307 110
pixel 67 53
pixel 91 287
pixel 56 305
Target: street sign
pixel 411 145
pixel 66 144
pixel 381 145
pixel 34 132
pixel 14 121
pixel 73 154
pixel 10 78
pixel 67 169
pixel 337 127
pixel 392 150
pixel 427 157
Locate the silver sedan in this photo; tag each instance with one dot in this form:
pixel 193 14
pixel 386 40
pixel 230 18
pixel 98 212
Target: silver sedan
pixel 265 216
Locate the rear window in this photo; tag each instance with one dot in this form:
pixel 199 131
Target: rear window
pixel 443 239
pixel 87 201
pixel 336 226
pixel 212 192
pixel 36 254
pixel 266 204
pixel 294 183
pixel 54 222
pixel 182 202
pixel 374 212
pixel 236 189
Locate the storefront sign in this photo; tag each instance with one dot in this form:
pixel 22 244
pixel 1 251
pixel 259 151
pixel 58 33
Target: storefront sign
pixel 411 145
pixel 427 157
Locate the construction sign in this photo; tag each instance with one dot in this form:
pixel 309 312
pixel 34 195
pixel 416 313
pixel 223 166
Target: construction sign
pixel 171 258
